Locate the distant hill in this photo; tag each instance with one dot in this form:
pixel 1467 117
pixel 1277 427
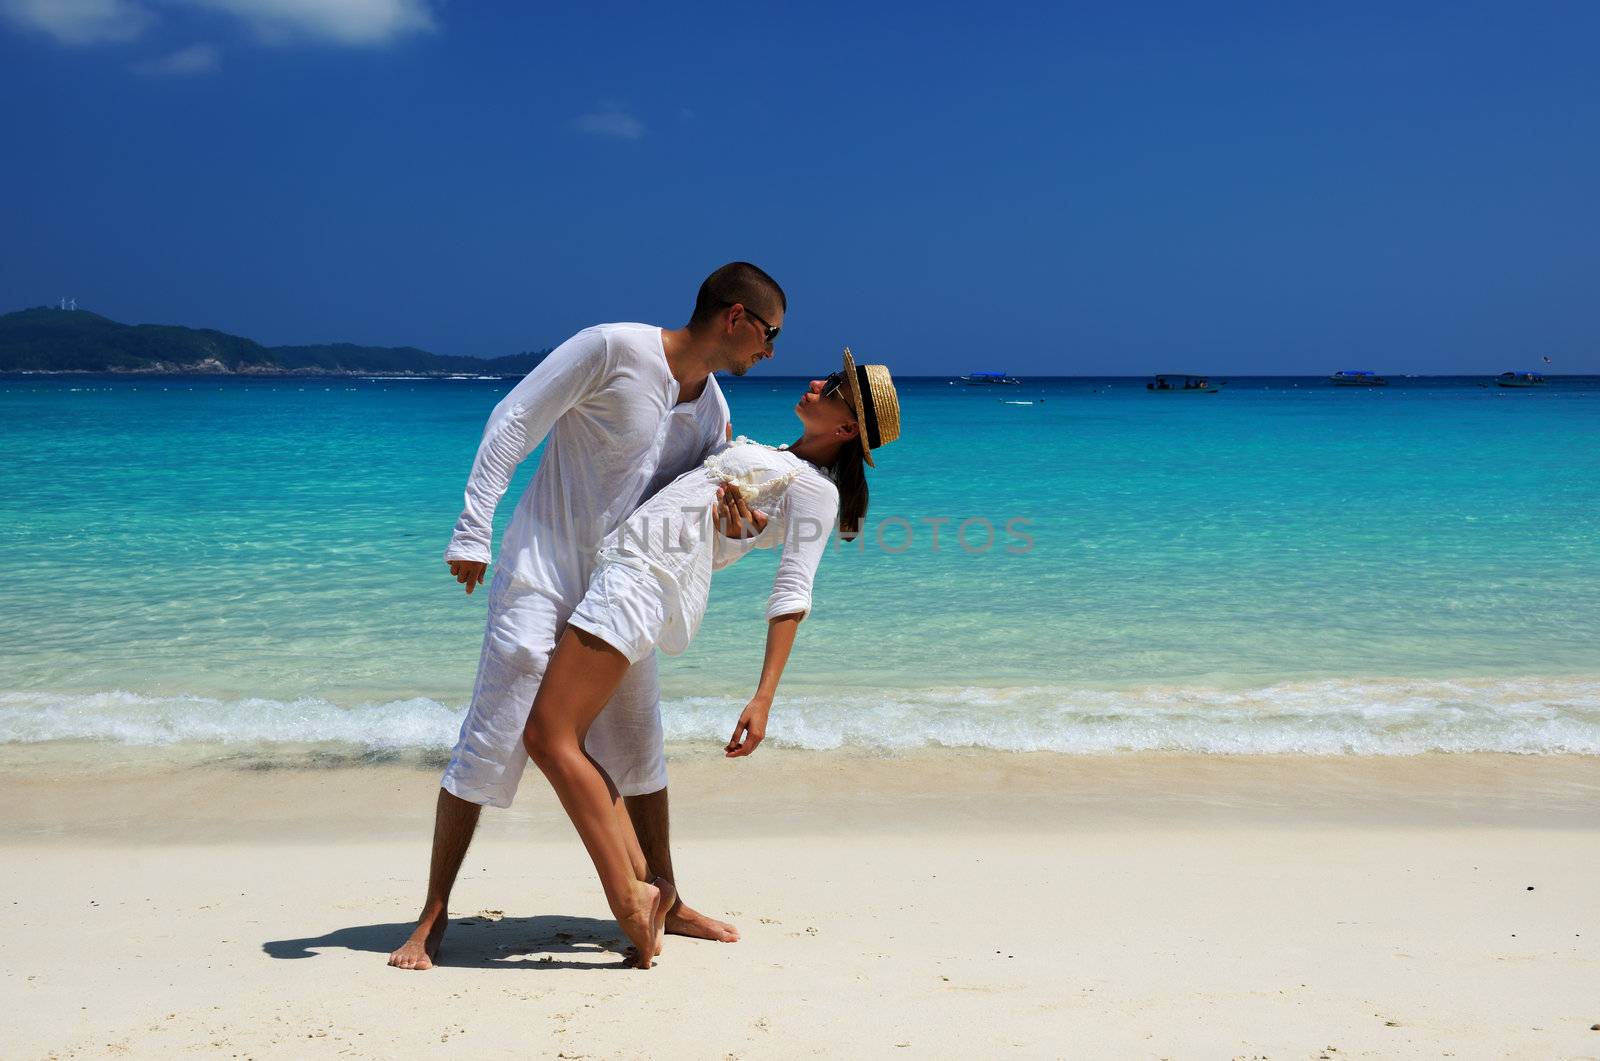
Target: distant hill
pixel 55 340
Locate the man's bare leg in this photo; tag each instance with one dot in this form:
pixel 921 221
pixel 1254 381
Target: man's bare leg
pixel 649 814
pixel 454 822
pixel 641 866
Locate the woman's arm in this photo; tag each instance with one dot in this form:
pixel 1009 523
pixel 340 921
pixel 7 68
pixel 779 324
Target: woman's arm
pixel 752 725
pixel 812 509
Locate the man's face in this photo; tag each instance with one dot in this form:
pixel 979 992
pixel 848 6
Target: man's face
pixel 748 342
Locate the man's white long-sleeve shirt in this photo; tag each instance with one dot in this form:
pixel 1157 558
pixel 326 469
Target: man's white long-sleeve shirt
pixel 607 400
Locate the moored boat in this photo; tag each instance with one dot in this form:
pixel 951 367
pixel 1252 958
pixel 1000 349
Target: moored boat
pixel 1358 377
pixel 1182 383
pixel 1520 379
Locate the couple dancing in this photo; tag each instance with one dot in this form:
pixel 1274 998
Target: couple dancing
pixel 640 494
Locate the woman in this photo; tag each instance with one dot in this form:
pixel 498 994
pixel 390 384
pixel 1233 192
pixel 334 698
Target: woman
pixel 650 590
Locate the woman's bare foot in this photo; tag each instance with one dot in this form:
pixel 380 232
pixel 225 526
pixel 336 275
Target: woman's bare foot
pixel 683 921
pixel 640 921
pixel 669 895
pixel 419 951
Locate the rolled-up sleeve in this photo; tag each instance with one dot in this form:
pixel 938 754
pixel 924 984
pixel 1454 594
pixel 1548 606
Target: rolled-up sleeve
pixel 812 504
pixel 571 373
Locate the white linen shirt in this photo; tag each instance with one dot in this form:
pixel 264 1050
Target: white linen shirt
pixel 608 402
pixel 674 535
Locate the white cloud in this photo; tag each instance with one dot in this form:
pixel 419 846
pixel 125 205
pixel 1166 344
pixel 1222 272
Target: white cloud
pixel 347 22
pixel 613 122
pixel 79 21
pixel 352 22
pixel 185 62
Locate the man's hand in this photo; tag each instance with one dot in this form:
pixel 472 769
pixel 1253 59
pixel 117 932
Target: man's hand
pixel 468 572
pixel 751 728
pixel 735 517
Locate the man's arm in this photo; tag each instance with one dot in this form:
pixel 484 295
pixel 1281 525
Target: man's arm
pixel 572 372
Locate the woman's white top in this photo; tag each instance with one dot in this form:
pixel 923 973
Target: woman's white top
pixel 674 535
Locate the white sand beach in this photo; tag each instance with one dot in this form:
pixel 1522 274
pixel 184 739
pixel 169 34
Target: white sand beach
pixel 930 905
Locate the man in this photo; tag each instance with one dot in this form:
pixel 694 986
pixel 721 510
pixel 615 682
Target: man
pixel 627 408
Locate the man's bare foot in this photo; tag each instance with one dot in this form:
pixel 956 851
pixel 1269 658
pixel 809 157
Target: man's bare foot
pixel 640 921
pixel 682 921
pixel 422 948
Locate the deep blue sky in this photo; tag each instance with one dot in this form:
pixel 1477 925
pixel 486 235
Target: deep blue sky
pixel 1069 189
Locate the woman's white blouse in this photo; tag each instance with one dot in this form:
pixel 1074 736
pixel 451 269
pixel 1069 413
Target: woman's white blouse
pixel 674 537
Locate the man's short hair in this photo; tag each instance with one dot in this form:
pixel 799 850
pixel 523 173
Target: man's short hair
pixel 738 282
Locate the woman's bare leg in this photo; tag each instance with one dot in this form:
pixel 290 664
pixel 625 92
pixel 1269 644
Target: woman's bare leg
pixel 582 674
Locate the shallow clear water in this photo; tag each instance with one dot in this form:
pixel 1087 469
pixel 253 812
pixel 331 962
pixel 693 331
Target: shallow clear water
pixel 1285 566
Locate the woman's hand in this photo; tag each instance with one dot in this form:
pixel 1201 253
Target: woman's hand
pixel 751 728
pixel 735 516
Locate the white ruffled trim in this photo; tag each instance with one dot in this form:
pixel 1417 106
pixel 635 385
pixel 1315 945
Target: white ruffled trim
pixel 717 469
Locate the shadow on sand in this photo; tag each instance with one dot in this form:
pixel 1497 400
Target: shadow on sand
pixel 480 943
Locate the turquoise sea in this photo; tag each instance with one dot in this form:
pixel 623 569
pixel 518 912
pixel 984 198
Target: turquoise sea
pixel 1283 567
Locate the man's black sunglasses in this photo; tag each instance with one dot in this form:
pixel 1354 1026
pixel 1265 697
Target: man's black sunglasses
pixel 771 331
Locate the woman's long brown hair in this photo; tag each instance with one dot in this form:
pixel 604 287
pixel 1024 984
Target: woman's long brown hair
pixel 849 474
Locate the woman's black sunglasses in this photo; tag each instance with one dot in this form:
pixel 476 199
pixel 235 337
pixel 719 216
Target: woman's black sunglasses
pixel 832 384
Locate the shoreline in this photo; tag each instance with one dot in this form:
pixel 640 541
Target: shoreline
pixel 71 791
pixel 1462 713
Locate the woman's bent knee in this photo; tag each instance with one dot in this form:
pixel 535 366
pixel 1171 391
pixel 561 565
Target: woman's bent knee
pixel 546 745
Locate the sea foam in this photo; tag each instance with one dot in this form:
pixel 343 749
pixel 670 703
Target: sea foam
pixel 1389 716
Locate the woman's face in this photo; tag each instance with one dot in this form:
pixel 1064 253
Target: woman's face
pixel 827 403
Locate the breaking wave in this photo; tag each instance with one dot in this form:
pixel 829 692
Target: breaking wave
pixel 1331 717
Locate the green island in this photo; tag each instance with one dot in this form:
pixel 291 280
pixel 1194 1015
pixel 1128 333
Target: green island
pixel 49 340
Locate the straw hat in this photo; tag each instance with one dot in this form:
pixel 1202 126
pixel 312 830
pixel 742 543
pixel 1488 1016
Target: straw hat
pixel 877 405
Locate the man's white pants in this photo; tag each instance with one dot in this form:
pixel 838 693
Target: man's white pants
pixel 489 757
